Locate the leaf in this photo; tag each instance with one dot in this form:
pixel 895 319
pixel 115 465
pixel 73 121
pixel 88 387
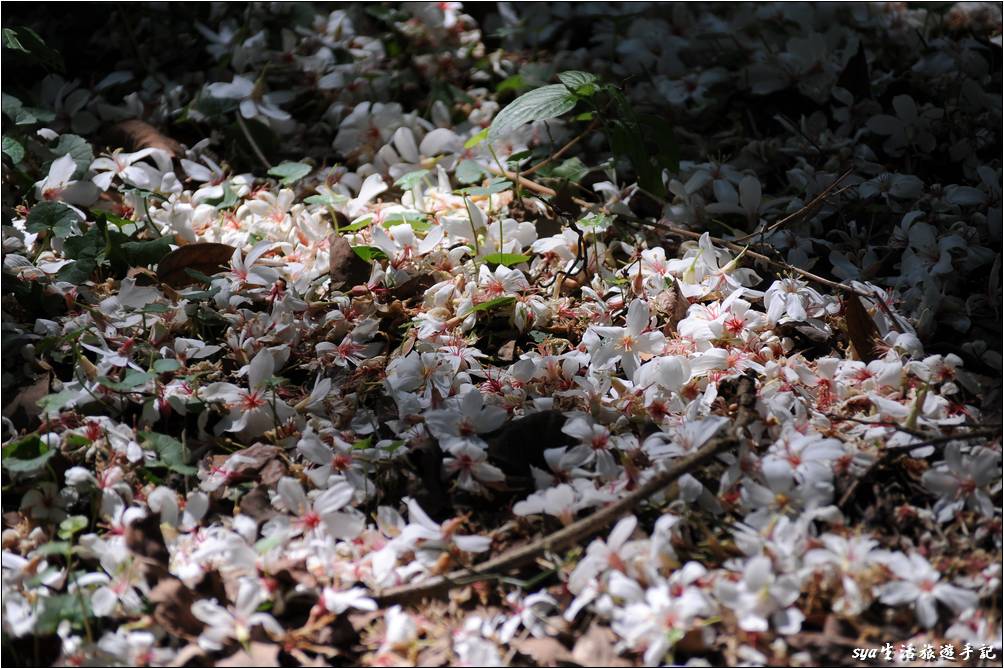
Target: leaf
pixel 572 169
pixel 135 134
pixel 538 105
pixel 328 200
pixel 13 149
pixel 493 304
pixel 132 380
pixel 856 77
pixel 71 525
pixel 207 258
pixel 411 179
pixel 166 365
pixel 77 148
pixel 861 329
pixel 228 200
pixel 26 455
pixel 170 451
pixel 583 84
pixel 255 654
pixel 476 139
pixel 369 253
pixel 58 608
pixel 496 185
pixel 53 216
pixel 148 252
pixel 507 259
pixel 469 171
pixel 23 410
pixel 26 40
pixel 345 266
pixel 289 173
pixel 511 83
pixel 545 652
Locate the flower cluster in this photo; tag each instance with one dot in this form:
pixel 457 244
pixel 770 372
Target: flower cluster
pixel 254 396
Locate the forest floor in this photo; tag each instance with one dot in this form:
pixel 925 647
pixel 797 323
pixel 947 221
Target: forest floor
pixel 533 334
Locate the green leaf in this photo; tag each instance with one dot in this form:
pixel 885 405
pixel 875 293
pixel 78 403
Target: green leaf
pixel 228 200
pixel 507 259
pixel 493 304
pixel 133 379
pixel 289 173
pixel 572 169
pixel 369 253
pixel 55 547
pixel 141 254
pixel 53 216
pixel 356 226
pixel 496 185
pixel 468 172
pixel 363 444
pixel 476 139
pixel 538 105
pixel 78 148
pixel 583 84
pixel 13 149
pixel 70 526
pixel 411 179
pixel 328 200
pixel 26 40
pixel 27 455
pixel 165 365
pixel 513 83
pixel 170 451
pixel 57 608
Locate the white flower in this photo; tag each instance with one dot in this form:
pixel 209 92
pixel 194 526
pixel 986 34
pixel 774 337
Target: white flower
pixel 628 343
pixel 763 594
pixel 253 102
pixel 59 184
pixel 920 584
pixel 251 412
pixel 236 622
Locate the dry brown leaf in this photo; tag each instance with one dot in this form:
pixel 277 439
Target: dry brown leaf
pixel 345 268
pixel 207 258
pixel 595 648
pixel 861 329
pixel 23 410
pixel 172 602
pixel 546 651
pixel 672 306
pixel 135 134
pixel 257 654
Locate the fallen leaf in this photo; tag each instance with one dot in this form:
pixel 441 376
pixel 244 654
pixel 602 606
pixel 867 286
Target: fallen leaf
pixel 345 267
pixel 595 648
pixel 257 505
pixel 206 258
pixel 521 443
pixel 23 410
pixel 672 306
pixel 861 329
pixel 172 602
pixel 547 651
pixel 255 654
pixel 135 134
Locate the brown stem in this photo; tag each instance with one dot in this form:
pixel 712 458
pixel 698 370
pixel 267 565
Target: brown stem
pixel 563 150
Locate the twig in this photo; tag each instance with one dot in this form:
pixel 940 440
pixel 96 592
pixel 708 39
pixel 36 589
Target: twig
pixel 890 452
pixel 563 150
pixel 254 145
pixel 804 212
pixel 581 529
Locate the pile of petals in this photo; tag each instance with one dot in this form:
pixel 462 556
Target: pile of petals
pixel 301 340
